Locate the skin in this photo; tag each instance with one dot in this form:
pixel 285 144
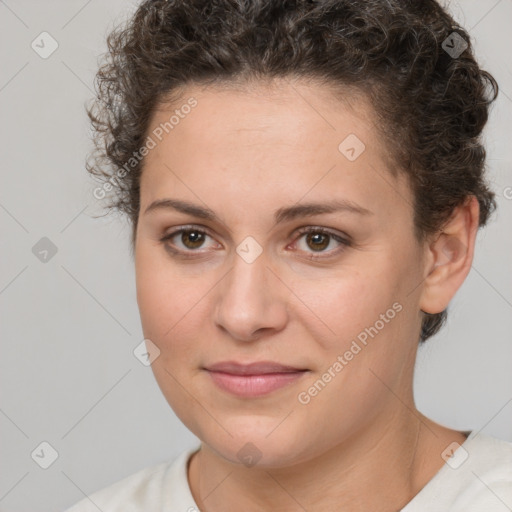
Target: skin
pixel 245 153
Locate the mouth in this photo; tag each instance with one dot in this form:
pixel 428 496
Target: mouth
pixel 254 379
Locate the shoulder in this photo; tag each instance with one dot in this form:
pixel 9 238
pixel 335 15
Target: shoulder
pixel 488 476
pixel 477 477
pixel 130 494
pixel 141 491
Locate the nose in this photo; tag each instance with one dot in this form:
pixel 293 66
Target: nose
pixel 251 300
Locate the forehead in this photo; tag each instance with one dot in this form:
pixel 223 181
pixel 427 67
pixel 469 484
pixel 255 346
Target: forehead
pixel 282 140
pixel 278 112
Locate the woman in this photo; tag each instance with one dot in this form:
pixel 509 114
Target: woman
pixel 305 181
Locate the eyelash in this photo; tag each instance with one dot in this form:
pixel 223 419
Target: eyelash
pixel 345 242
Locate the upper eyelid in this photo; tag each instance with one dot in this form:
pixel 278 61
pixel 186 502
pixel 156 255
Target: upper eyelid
pixel 299 230
pixel 180 229
pixel 320 229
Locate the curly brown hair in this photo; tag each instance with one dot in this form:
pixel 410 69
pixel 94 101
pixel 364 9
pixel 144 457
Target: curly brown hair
pixel 432 104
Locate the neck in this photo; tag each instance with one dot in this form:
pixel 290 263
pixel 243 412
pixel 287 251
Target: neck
pixel 381 467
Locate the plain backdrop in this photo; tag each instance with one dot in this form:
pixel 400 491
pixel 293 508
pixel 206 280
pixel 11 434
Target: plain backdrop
pixel 70 324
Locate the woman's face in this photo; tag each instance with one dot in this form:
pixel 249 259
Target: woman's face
pixel 246 284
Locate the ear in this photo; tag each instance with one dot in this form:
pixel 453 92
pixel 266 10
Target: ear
pixel 449 257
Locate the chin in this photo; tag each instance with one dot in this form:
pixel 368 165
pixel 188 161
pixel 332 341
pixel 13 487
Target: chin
pixel 257 441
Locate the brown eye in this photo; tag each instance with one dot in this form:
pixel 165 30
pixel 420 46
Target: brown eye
pixel 187 240
pixel 192 239
pixel 317 241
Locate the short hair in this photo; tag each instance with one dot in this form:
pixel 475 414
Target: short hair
pixel 409 57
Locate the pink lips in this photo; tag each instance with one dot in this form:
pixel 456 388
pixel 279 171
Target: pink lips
pixel 252 380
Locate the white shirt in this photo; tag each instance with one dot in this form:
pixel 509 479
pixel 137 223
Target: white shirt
pixel 476 478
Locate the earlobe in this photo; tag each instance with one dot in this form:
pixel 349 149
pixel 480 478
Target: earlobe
pixel 450 257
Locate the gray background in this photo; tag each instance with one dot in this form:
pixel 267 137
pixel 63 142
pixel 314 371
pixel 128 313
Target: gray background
pixel 69 325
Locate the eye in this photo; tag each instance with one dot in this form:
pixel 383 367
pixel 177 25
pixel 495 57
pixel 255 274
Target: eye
pixel 187 239
pixel 318 239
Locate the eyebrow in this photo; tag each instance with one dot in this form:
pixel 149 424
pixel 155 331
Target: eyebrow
pixel 281 215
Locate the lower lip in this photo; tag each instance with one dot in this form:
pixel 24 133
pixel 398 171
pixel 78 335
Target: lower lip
pixel 253 385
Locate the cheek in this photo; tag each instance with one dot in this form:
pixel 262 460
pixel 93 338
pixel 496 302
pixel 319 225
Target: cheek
pixel 171 305
pixel 343 304
pixel 365 316
pixel 171 312
pixel 362 352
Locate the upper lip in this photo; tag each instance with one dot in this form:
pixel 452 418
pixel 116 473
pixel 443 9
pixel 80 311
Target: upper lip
pixel 257 368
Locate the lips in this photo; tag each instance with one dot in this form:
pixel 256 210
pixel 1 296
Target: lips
pixel 257 368
pixel 254 379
